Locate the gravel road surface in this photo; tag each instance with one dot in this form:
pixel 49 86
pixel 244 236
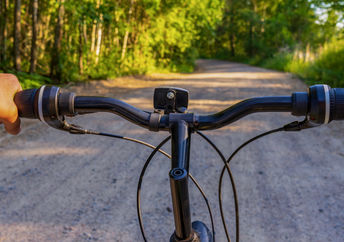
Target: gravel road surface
pixel 60 187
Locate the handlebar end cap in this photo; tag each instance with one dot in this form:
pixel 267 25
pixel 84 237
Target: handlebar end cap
pixel 26 102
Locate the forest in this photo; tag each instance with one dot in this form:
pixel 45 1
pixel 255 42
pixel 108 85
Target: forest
pixel 61 41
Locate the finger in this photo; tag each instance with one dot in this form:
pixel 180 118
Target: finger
pixel 12 127
pixel 19 88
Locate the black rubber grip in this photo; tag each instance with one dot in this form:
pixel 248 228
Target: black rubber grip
pixel 26 102
pixel 338 109
pixel 66 103
pixel 300 103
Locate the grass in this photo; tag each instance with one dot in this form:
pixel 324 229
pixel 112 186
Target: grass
pixel 326 65
pixel 30 80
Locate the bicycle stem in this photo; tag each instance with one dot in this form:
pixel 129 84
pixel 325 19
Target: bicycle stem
pixel 181 135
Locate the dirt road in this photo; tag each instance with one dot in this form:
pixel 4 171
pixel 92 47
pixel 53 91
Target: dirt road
pixel 58 187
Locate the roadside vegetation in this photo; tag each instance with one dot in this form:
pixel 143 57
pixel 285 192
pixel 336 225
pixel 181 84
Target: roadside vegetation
pixel 61 41
pixel 325 65
pixel 304 37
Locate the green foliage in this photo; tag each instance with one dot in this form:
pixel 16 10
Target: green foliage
pixel 279 62
pixel 329 66
pixel 31 80
pixel 105 38
pixel 298 36
pixel 326 67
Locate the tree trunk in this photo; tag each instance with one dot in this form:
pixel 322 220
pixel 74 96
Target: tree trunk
pixel 94 30
pixel 44 33
pixel 33 60
pixel 251 50
pixel 55 70
pixel 250 40
pixel 16 36
pixel 116 39
pixel 3 32
pixel 231 13
pixel 116 32
pixel 99 38
pixel 125 41
pixel 232 44
pixel 81 67
pixel 231 35
pixel 93 36
pixel 84 25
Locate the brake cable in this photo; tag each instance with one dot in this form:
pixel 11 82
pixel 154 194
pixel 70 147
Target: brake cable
pixel 75 129
pixel 293 126
pixel 235 197
pixel 138 195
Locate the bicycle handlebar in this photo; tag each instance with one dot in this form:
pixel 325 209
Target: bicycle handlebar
pixel 320 105
pixel 243 108
pixel 85 104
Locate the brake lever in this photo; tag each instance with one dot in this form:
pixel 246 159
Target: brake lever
pixel 75 129
pixel 298 126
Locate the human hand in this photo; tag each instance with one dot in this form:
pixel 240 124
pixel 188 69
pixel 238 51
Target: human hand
pixel 9 86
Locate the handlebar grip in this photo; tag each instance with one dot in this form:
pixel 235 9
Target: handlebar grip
pixel 325 104
pixel 337 109
pixel 48 104
pixel 26 102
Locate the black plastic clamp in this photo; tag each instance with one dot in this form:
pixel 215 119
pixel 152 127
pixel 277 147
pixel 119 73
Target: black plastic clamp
pixel 154 122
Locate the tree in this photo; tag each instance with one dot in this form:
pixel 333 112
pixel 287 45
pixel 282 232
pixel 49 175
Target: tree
pixel 16 35
pixel 3 32
pixel 125 40
pixel 230 14
pixel 55 69
pixel 99 32
pixel 130 36
pixel 81 33
pixel 33 60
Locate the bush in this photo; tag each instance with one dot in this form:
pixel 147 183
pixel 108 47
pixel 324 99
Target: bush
pixel 31 80
pixel 280 62
pixel 329 66
pixel 326 67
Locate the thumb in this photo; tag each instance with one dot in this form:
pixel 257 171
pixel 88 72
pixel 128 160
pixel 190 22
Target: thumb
pixel 12 127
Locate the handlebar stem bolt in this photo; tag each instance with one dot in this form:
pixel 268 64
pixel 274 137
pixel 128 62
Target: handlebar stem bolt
pixel 170 95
